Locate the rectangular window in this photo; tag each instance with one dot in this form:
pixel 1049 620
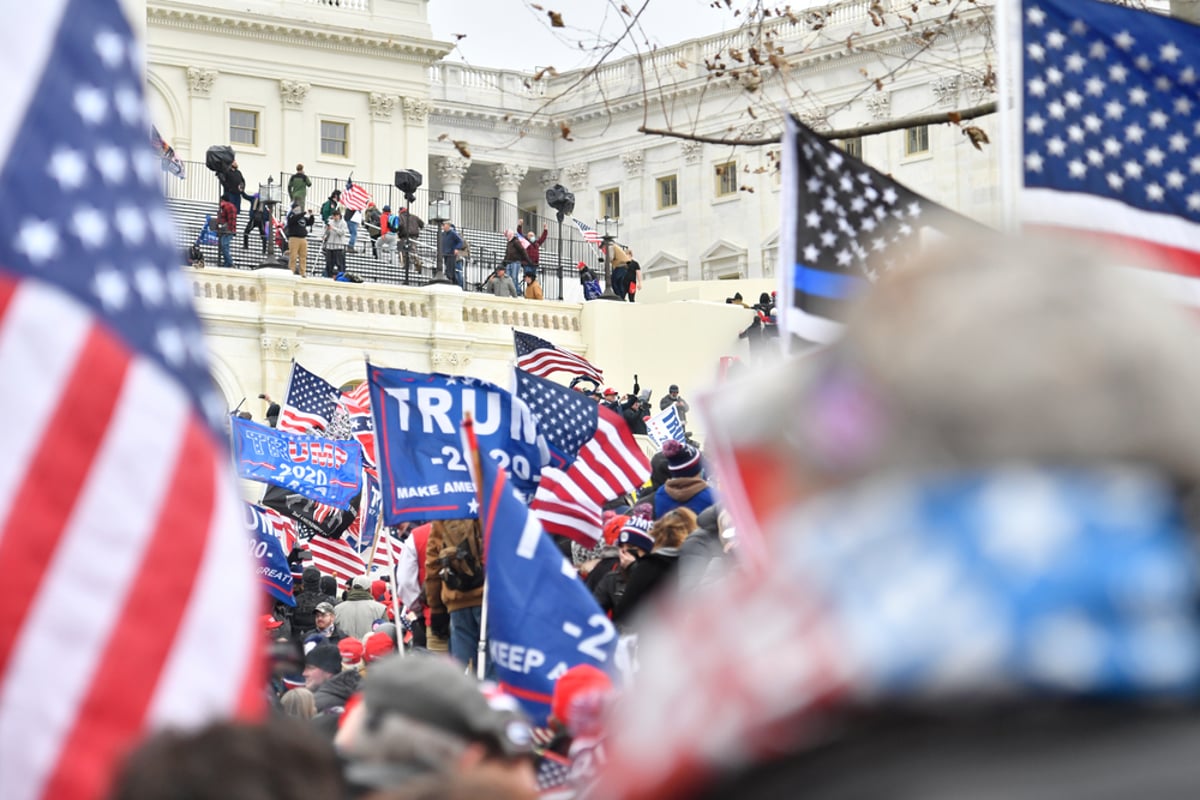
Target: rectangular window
pixel 610 203
pixel 243 127
pixel 726 176
pixel 853 146
pixel 916 140
pixel 668 192
pixel 335 138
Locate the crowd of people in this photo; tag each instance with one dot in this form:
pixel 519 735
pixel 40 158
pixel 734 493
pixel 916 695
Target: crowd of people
pixel 393 238
pixel 972 564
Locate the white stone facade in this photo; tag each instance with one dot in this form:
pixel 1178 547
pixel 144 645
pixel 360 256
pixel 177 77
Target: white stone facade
pixel 371 65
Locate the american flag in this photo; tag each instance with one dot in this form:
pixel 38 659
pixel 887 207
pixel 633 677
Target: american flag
pixel 1111 140
pixel 336 557
pixel 539 357
pixel 116 478
pixel 595 459
pixel 552 773
pixel 355 198
pixel 844 224
pixel 310 402
pixel 589 234
pixel 357 405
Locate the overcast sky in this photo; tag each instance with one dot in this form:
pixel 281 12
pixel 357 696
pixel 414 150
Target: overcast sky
pixel 513 34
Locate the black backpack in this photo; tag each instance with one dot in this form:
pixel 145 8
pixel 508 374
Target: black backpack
pixel 460 565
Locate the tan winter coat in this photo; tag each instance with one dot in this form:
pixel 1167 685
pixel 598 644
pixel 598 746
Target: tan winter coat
pixel 439 596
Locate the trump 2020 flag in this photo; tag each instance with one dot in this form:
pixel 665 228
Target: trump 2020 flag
pixel 115 486
pixel 422 469
pixel 665 425
pixel 274 574
pixel 324 470
pixel 541 618
pixel 1109 136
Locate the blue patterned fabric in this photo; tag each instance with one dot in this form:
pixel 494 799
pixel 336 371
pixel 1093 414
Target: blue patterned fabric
pixel 1019 580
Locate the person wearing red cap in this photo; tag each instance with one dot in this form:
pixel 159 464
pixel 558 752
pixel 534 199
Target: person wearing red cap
pixel 377 646
pixel 612 401
pixel 577 710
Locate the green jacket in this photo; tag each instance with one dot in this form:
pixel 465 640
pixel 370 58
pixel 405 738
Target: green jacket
pixel 298 187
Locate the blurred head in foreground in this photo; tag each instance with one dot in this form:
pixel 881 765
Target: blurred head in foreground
pixel 981 562
pixel 280 759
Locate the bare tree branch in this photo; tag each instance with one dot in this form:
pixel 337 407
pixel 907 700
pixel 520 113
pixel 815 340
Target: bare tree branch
pixel 845 133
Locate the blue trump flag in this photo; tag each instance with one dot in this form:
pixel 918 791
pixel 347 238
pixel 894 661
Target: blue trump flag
pixel 323 470
pixel 422 470
pixel 273 570
pixel 541 618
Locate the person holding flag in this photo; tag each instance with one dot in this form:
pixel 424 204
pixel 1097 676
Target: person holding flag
pixel 534 637
pixel 355 199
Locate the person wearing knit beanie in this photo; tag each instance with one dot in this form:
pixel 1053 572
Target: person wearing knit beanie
pixel 682 459
pixel 636 533
pixel 322 663
pixel 686 487
pixel 633 544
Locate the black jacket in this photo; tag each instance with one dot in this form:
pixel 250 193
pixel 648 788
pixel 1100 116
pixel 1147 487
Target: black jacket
pixel 634 418
pixel 233 181
pixel 298 224
pixel 645 579
pixel 337 690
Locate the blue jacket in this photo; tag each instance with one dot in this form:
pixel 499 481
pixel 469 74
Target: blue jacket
pixel 691 493
pixel 451 241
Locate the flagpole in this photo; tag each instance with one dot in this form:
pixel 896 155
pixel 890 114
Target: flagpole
pixel 481 647
pixel 395 592
pixel 1011 111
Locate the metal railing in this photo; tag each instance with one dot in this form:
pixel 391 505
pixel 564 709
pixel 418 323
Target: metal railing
pixel 479 220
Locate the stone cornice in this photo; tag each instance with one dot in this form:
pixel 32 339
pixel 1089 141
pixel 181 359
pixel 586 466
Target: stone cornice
pixel 256 27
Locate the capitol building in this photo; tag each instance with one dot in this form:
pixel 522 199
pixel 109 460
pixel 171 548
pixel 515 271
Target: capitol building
pixel 362 88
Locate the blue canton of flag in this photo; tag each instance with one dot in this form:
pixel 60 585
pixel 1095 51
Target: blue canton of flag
pixel 310 402
pixel 533 636
pixel 99 229
pixel 844 225
pixel 1111 140
pixel 565 417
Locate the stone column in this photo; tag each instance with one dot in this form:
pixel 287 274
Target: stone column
pixel 382 131
pixel 452 170
pixel 416 140
pixel 508 179
pixel 200 113
pixel 292 138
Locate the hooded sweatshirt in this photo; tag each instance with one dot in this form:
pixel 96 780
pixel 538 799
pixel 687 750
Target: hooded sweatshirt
pixel 692 493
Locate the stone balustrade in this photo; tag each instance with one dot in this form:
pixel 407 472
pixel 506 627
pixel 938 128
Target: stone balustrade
pixel 260 320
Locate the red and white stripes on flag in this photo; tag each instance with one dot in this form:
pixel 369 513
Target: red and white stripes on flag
pixel 541 358
pixel 355 197
pixel 122 539
pixel 568 503
pixel 284 528
pixel 336 557
pixel 588 232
